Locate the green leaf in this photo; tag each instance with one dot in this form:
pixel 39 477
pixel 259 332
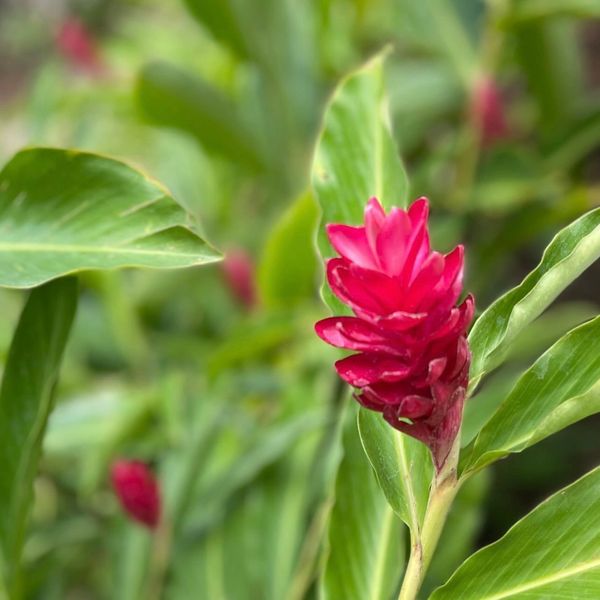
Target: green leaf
pixel 356 157
pixel 563 386
pixel 365 537
pixel 553 552
pixel 173 98
pixel 63 211
pixel 222 19
pixel 26 397
pixel 402 465
pixel 287 270
pixel 528 10
pixel 571 251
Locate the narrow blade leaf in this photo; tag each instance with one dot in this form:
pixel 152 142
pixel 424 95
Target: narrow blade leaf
pixel 572 251
pixel 25 403
pixel 562 387
pixel 365 536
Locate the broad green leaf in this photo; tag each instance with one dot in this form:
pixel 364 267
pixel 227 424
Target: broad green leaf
pixel 173 98
pixel 366 553
pixel 63 211
pixel 562 387
pixel 287 270
pixel 553 552
pixel 526 10
pixel 571 251
pixel 402 465
pixel 356 157
pixel 26 397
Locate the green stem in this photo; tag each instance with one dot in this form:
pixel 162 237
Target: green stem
pixel 443 491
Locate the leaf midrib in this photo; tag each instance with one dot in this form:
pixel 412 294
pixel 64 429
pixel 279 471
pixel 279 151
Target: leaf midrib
pixel 542 581
pixel 80 249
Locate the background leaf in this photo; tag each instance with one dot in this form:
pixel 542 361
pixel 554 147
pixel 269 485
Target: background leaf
pixel 365 537
pixel 571 251
pixel 287 270
pixel 174 98
pixel 25 402
pixel 562 387
pixel 529 563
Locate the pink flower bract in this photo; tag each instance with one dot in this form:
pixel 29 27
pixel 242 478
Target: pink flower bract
pixel 138 491
pixel 412 361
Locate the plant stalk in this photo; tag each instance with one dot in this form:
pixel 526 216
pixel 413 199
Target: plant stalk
pixel 443 491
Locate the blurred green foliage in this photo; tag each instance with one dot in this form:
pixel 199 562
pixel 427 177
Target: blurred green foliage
pixel 237 407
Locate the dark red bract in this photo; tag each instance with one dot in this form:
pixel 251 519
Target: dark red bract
pixel 412 360
pixel 137 490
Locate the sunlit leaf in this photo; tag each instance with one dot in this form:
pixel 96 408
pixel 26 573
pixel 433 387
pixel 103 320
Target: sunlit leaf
pixel 356 157
pixel 63 211
pixel 563 386
pixel 553 552
pixel 573 249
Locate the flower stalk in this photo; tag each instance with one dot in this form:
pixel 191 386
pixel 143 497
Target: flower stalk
pixel 444 488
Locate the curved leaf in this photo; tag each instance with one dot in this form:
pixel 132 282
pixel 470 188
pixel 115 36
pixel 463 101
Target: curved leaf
pixel 562 387
pixel 356 157
pixel 25 404
pixel 365 536
pixel 571 251
pixel 553 552
pixel 63 211
pixel 402 464
pixel 287 270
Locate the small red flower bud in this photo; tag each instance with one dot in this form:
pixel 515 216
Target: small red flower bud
pixel 488 112
pixel 78 46
pixel 412 360
pixel 138 491
pixel 238 270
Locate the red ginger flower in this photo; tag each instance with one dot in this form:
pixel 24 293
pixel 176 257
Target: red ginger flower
pixel 487 109
pixel 78 46
pixel 238 270
pixel 413 359
pixel 138 491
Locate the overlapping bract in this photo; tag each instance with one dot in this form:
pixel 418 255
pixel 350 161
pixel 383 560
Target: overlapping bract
pixel 413 359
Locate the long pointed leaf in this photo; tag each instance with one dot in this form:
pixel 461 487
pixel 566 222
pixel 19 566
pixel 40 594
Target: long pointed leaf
pixel 572 251
pixel 365 536
pixel 25 403
pixel 553 552
pixel 356 156
pixel 562 387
